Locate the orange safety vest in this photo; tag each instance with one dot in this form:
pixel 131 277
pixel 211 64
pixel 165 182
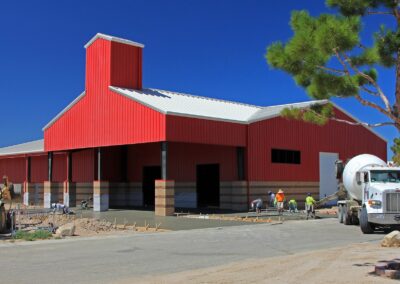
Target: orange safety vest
pixel 280 197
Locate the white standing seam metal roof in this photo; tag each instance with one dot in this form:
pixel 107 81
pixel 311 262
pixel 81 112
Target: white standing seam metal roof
pixel 113 38
pixel 202 107
pixel 24 148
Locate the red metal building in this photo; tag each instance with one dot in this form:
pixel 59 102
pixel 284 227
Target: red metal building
pixel 218 153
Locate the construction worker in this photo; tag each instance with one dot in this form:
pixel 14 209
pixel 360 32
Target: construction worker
pixel 256 205
pixel 271 199
pixel 280 199
pixel 310 203
pixel 292 205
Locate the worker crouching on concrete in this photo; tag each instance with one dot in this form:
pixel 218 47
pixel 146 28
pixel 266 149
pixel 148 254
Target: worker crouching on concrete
pixel 310 203
pixel 280 199
pixel 256 205
pixel 293 206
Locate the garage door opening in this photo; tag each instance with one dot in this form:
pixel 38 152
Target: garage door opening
pixel 207 185
pixel 150 175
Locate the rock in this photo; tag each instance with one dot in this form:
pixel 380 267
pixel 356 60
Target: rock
pixel 66 230
pixel 120 227
pixel 391 240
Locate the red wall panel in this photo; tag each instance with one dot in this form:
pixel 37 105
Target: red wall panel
pixel 83 165
pixel 102 117
pixel 111 159
pixel 59 167
pixel 14 168
pixel 141 155
pixel 39 169
pixel 194 130
pixel 335 137
pixel 126 66
pixel 184 157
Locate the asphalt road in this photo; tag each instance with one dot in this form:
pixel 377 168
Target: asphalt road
pixel 113 258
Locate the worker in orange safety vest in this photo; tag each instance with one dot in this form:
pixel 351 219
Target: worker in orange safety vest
pixel 280 199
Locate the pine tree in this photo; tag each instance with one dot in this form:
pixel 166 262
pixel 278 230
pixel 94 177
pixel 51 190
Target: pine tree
pixel 326 56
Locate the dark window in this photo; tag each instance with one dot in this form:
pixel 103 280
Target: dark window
pixel 285 156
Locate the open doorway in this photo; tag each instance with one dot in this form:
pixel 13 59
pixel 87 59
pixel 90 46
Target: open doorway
pixel 328 183
pixel 207 185
pixel 150 175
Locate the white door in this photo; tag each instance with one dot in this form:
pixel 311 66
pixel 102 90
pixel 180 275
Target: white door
pixel 327 177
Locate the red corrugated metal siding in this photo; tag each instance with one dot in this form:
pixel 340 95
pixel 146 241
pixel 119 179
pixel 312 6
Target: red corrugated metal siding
pixel 184 157
pixel 347 140
pixel 142 155
pixel 59 167
pixel 83 166
pixel 194 130
pixel 14 168
pixel 111 158
pixel 102 117
pixel 39 169
pixel 126 66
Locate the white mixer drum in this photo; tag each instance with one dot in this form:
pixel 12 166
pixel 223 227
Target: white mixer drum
pixel 354 165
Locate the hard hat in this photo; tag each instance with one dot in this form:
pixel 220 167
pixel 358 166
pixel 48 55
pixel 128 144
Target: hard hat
pixel 308 194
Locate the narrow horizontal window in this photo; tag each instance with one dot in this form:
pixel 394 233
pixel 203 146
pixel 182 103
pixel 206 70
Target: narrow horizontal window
pixel 285 156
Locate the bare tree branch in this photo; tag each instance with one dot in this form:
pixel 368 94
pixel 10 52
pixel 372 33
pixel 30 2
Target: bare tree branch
pixel 333 70
pixel 380 13
pixel 355 123
pixel 369 91
pixel 372 81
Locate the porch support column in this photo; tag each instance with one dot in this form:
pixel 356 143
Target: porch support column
pixel 69 186
pixel 100 188
pixel 164 160
pixel 100 195
pixel 165 189
pixel 165 198
pixel 48 189
pixel 27 180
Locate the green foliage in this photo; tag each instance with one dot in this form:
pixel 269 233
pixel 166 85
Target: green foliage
pixel 359 7
pixel 325 54
pixel 396 151
pixel 317 114
pixel 32 236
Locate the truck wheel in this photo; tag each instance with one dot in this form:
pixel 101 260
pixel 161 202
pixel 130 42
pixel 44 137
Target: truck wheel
pixel 346 217
pixel 366 227
pixel 340 213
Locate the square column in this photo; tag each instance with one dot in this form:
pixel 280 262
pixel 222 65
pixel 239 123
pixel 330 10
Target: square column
pixel 51 193
pixel 100 195
pixel 165 198
pixel 26 194
pixel 69 194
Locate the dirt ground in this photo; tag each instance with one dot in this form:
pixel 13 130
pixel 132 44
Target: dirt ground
pixel 83 226
pixel 350 264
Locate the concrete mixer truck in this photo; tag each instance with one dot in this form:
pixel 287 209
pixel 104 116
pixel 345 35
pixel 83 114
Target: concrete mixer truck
pixel 369 194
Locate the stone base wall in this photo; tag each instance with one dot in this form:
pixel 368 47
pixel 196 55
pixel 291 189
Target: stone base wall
pixel 53 193
pixel 165 198
pixel 84 191
pixel 126 195
pixel 185 195
pixel 297 190
pixel 33 194
pixel 69 194
pixel 233 195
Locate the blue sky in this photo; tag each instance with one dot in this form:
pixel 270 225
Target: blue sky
pixel 208 48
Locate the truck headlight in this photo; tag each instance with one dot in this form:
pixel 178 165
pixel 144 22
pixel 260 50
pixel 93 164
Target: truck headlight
pixel 375 203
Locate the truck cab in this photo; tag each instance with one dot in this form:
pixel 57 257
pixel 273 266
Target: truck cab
pixel 381 194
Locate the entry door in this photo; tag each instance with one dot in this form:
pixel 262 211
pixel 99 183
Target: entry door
pixel 328 183
pixel 208 185
pixel 150 175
